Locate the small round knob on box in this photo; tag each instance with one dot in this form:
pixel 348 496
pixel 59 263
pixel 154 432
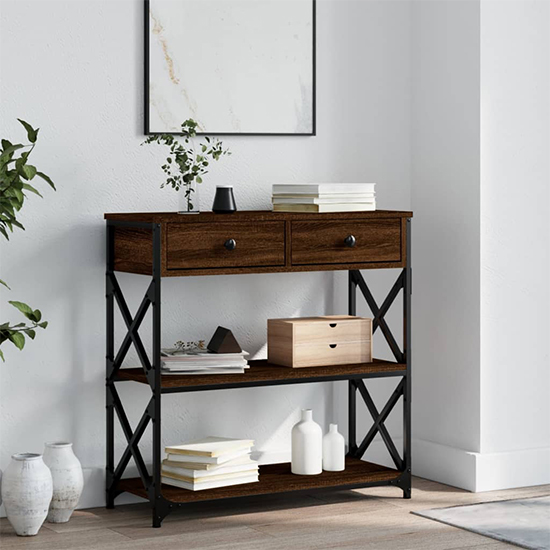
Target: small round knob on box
pixel 230 244
pixel 349 241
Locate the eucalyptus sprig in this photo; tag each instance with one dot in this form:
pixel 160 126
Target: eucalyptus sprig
pixel 15 175
pixel 184 165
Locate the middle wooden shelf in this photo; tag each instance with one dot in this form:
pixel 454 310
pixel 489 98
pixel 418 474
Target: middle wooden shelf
pixel 262 373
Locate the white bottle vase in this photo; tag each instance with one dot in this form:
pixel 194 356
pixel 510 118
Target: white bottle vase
pixel 307 446
pixel 334 450
pixel 27 491
pixel 68 480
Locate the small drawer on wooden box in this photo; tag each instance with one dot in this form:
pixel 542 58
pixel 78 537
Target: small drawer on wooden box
pixel 319 341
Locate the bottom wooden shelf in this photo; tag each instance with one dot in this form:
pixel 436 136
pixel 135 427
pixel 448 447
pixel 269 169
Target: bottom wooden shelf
pixel 276 478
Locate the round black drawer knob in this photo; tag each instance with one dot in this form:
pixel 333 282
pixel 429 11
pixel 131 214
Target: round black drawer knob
pixel 230 244
pixel 349 241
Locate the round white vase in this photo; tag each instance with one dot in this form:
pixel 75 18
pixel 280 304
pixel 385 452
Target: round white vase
pixel 307 446
pixel 334 450
pixel 68 480
pixel 27 491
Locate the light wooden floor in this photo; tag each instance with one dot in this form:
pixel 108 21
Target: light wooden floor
pixel 368 519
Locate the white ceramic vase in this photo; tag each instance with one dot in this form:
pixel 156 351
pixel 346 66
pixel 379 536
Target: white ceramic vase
pixel 307 446
pixel 27 491
pixel 334 450
pixel 68 480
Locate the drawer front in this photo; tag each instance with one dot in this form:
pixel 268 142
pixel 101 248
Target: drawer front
pixel 333 331
pixel 324 242
pixel 208 246
pixel 343 353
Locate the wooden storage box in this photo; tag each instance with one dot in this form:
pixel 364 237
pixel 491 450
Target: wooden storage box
pixel 319 341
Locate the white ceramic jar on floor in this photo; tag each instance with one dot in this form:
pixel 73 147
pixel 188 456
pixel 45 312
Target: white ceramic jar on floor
pixel 334 450
pixel 27 490
pixel 68 480
pixel 307 446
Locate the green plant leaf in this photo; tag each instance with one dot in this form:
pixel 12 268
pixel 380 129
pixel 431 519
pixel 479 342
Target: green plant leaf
pixel 6 144
pixel 5 284
pixel 32 134
pixel 43 324
pixel 2 356
pixel 46 178
pixel 31 333
pixel 37 315
pixel 30 188
pixel 18 339
pixel 28 171
pixel 24 309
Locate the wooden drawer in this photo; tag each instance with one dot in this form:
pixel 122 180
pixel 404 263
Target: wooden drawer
pixel 202 245
pixel 324 242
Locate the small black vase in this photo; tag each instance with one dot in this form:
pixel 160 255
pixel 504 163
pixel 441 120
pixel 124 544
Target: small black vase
pixel 224 201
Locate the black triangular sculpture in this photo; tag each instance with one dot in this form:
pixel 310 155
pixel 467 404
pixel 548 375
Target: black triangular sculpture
pixel 223 341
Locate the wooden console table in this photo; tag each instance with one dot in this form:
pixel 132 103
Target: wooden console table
pixel 173 245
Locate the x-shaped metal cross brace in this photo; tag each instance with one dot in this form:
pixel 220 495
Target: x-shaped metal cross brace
pixel 380 312
pixel 132 324
pixel 379 419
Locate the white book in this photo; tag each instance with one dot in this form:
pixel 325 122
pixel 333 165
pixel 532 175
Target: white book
pixel 207 459
pixel 173 473
pixel 211 484
pixel 190 471
pixel 243 460
pixel 175 355
pixel 351 199
pixel 204 365
pixel 357 207
pixel 327 196
pixel 323 188
pixel 211 446
pixel 198 372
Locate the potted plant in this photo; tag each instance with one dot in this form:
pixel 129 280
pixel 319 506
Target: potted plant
pixel 15 177
pixel 185 166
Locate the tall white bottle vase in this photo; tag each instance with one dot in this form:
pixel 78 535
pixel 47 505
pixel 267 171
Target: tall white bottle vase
pixel 334 450
pixel 68 480
pixel 27 491
pixel 307 446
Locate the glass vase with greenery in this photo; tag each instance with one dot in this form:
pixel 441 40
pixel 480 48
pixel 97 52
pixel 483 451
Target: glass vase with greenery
pixel 185 166
pixel 15 177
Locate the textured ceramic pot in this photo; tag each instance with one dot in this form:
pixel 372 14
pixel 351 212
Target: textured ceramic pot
pixel 334 450
pixel 27 491
pixel 68 480
pixel 307 446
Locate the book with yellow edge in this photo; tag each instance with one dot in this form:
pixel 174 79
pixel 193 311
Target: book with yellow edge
pixel 210 447
pixel 202 468
pixel 172 474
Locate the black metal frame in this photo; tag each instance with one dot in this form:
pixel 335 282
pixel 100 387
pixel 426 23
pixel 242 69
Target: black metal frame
pixel 161 507
pixel 313 92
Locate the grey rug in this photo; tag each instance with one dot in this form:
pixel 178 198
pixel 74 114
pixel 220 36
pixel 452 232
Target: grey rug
pixel 524 522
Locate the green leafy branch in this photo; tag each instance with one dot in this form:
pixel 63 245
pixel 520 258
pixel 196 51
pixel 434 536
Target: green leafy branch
pixel 15 175
pixel 16 333
pixel 184 165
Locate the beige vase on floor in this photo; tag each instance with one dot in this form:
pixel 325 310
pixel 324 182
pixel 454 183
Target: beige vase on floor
pixel 27 493
pixel 68 480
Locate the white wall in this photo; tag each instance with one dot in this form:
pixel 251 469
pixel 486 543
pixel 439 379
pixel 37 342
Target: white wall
pixel 75 69
pixel 515 243
pixel 446 249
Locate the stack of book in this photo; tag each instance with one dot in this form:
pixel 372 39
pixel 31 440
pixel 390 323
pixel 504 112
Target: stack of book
pixel 209 463
pixel 324 197
pixel 176 361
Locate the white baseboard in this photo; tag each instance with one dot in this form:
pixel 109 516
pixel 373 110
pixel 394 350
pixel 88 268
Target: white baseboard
pixel 512 469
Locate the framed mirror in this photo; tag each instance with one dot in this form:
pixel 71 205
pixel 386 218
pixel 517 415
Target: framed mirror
pixel 244 67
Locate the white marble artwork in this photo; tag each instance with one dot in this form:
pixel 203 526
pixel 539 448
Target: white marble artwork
pixel 235 66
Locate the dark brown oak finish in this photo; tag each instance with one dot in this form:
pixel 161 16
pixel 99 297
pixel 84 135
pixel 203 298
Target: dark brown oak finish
pixel 276 478
pixel 323 242
pixel 262 373
pixel 201 245
pixel 267 242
